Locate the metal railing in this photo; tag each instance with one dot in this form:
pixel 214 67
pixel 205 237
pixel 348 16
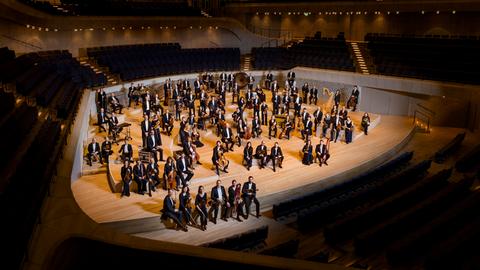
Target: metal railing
pixel 422 117
pixel 278 37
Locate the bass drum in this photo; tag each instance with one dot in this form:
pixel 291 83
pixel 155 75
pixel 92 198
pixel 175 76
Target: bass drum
pixel 241 79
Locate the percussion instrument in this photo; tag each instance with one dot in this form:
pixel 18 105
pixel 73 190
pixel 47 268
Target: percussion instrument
pixel 241 79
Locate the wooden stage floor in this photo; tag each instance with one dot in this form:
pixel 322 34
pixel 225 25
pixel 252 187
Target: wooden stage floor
pixel 95 198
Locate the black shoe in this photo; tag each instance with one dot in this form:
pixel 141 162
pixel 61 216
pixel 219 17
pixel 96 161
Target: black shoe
pixel 280 166
pixel 259 215
pixel 248 168
pixel 162 160
pixel 326 163
pixel 238 219
pixel 225 170
pixel 198 162
pixel 214 221
pixel 274 170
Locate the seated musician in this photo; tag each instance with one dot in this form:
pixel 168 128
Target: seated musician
pixel 213 106
pixel 153 146
pixel 307 153
pixel 170 211
pixel 101 99
pixel 241 130
pixel 285 103
pixel 184 205
pixel 183 171
pixel 219 201
pixel 170 179
pixel 196 137
pixel 220 121
pixel 101 120
pixel 248 155
pixel 218 158
pixel 115 104
pixel 336 127
pixel 167 122
pixel 322 155
pixel 201 207
pixel 242 103
pixel 307 129
pixel 126 151
pixel 93 152
pixel 235 92
pixel 249 194
pixel 227 137
pixel 272 127
pixel 178 108
pixel 203 100
pixel 190 151
pixel 365 123
pixel 106 149
pixel 126 173
pixel 275 103
pixel 256 106
pixel 261 154
pixel 297 106
pixel 140 177
pixel 276 155
pixel 287 128
pixel 236 203
pixel 256 128
pixel 112 125
pixel 317 118
pixel 152 175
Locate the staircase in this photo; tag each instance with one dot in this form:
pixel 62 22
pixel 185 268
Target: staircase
pixel 363 60
pixel 245 61
pixel 112 79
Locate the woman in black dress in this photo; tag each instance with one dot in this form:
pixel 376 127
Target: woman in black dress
pixel 201 207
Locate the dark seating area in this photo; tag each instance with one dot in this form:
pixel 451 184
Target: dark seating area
pixel 286 250
pixel 116 8
pixel 6 55
pixel 361 196
pixel 52 78
pixel 469 161
pixel 430 57
pixel 149 60
pixel 316 52
pixel 449 148
pixel 298 204
pixel 242 241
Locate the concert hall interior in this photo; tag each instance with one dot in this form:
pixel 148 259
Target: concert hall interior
pixel 240 134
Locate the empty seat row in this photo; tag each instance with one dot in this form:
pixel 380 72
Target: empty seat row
pixel 242 241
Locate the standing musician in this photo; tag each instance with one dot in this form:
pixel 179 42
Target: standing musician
pixel 291 77
pixel 313 95
pixel 191 102
pixel 272 127
pixel 264 113
pixel 167 122
pixel 322 152
pixel 248 155
pixel 256 106
pixel 115 104
pixel 249 97
pixel 213 107
pixel 94 152
pixel 353 101
pixel 166 89
pixel 287 128
pixel 305 90
pixel 365 123
pixel 178 108
pixel 276 155
pixel 249 194
pixel 275 102
pixel 327 121
pixel 101 99
pixel 184 207
pixel 170 211
pixel 220 121
pixel 336 127
pixel 140 177
pixel 274 86
pixel 153 146
pixel 297 106
pixel 101 119
pixel 219 200
pixel 219 159
pixel 304 116
pixel 232 200
pixel 203 100
pixel 307 153
pixel 227 137
pixel 268 80
pixel 146 125
pixel 157 104
pixel 250 80
pixel 317 118
pixel 126 173
pixel 256 128
pixel 307 129
pixel 146 104
pixel 235 92
pixel 126 151
pixel 261 154
pixel 285 103
pixel 201 207
pixel 337 98
pixel 170 178
pixel 348 130
pixel 106 149
pixel 196 87
pixel 152 174
pixel 183 169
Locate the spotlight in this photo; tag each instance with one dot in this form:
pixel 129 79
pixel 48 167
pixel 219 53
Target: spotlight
pixel 398 12
pixel 423 12
pixel 388 12
pixel 28 25
pixel 216 27
pixel 91 29
pixel 55 30
pixel 319 13
pixel 104 28
pixel 453 12
pixel 75 30
pixel 438 12
pixel 46 29
pixel 123 28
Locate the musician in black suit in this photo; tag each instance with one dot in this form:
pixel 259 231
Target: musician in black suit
pixel 256 128
pixel 307 153
pixel 146 105
pixel 248 155
pixel 354 98
pixel 153 146
pixel 178 108
pixel 249 194
pixel 307 129
pixel 167 122
pixel 152 175
pixel 317 118
pixel 291 77
pixel 213 106
pixel 126 173
pixel 231 201
pixel 140 177
pixel 184 199
pixel 112 125
pixel 305 91
pixel 182 168
pixel 264 113
pixel 261 154
pixel 170 211
pixel 201 207
pixel 286 103
pixel 219 200
pixel 106 149
pixel 126 151
pixel 227 137
pixel 274 86
pixel 241 129
pixel 304 116
pixel 322 155
pixel 268 80
pixel 276 155
pixel 101 99
pixel 115 104
pixel 337 97
pixel 217 157
pixel 93 151
pixel 276 102
pixel 327 121
pixel 336 127
pixel 287 128
pixel 313 95
pixel 297 105
pixel 146 125
pixel 102 119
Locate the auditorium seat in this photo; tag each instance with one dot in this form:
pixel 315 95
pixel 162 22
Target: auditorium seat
pixel 449 148
pixel 426 57
pixel 469 161
pixel 246 240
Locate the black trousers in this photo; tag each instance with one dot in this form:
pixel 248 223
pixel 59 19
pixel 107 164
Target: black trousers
pixel 126 188
pixel 248 203
pixel 183 178
pixel 218 207
pixel 175 216
pixel 203 214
